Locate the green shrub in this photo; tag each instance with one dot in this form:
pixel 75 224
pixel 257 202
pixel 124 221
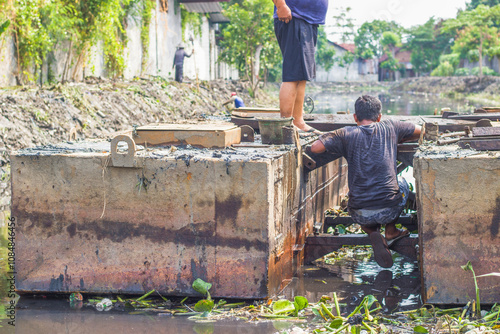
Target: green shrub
pixel 444 69
pixel 462 72
pixel 486 71
pixel 473 55
pixel 452 58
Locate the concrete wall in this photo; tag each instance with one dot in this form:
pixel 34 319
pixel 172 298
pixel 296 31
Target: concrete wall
pixel 492 63
pixel 8 61
pixel 165 34
pixel 458 195
pixel 237 221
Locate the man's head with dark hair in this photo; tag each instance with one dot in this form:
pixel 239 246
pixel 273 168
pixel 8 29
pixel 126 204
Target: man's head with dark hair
pixel 367 107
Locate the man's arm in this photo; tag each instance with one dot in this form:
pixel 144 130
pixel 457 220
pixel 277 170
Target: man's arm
pixel 283 11
pixel 318 147
pixel 415 135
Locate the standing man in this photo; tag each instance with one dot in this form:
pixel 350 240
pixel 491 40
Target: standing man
pixel 296 28
pixel 376 196
pixel 179 62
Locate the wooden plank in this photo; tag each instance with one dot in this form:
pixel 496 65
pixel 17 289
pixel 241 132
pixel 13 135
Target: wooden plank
pixel 258 110
pixel 483 132
pixel 494 116
pixel 208 138
pixel 320 245
pixel 483 144
pixel 204 127
pixel 254 114
pixel 408 221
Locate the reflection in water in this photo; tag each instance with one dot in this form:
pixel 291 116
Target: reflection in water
pixel 397 289
pixel 55 316
pixel 327 102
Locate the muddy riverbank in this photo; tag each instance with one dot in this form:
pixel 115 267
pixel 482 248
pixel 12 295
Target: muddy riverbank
pixel 32 116
pixel 450 85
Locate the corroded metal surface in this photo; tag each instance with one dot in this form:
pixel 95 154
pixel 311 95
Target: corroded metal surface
pixel 232 218
pixel 458 197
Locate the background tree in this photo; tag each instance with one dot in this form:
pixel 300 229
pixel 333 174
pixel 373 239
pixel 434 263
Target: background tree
pixel 324 52
pixel 249 39
pixel 343 30
pixel 427 43
pixel 475 3
pixel 369 35
pixel 475 30
pixel 389 42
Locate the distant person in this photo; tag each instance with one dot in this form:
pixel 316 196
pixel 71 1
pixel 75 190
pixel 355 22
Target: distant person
pixel 376 196
pixel 238 101
pixel 296 28
pixel 179 62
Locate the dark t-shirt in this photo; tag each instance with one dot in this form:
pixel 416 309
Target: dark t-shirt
pixel 311 11
pixel 370 151
pixel 179 57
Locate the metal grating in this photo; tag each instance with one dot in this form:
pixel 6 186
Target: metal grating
pixel 218 18
pixel 203 7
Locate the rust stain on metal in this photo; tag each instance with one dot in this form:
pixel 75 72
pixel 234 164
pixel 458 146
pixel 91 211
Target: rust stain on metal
pixel 495 221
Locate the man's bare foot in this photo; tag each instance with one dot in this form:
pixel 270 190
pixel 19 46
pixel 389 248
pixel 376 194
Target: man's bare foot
pixel 307 129
pixel 397 233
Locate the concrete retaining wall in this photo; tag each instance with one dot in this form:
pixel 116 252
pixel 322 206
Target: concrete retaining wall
pixel 237 220
pixel 459 219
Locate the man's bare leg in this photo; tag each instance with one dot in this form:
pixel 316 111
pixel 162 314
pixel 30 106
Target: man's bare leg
pixel 288 93
pixel 292 102
pixel 370 230
pixel 298 108
pixel 391 231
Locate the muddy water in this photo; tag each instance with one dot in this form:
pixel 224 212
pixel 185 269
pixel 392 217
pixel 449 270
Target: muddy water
pixel 393 104
pixel 396 289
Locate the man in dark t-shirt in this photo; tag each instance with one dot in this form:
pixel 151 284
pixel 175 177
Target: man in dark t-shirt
pixel 375 196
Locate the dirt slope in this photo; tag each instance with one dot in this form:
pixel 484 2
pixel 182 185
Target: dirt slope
pixel 37 116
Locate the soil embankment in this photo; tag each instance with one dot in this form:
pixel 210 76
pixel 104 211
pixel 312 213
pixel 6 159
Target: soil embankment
pixel 450 85
pixel 38 116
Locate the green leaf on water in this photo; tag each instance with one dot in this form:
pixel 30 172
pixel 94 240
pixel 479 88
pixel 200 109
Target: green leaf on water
pixel 315 311
pixel 342 229
pixel 283 306
pixel 204 305
pixel 336 323
pixel 420 329
pixel 201 286
pixel 300 303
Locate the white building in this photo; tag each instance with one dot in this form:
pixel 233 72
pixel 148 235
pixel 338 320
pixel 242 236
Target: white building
pixel 360 70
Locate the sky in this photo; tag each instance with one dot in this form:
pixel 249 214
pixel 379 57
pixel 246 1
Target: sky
pixel 405 12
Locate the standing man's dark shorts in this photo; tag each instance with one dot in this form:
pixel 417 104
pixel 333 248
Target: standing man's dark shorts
pixel 297 40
